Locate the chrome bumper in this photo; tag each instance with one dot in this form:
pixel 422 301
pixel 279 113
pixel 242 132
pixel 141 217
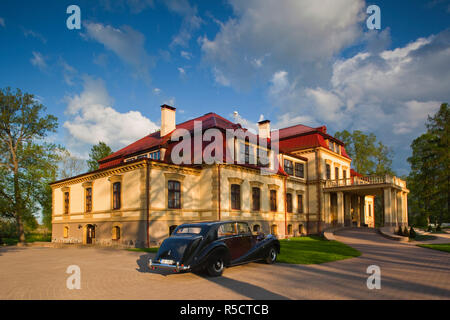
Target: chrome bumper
pixel 175 267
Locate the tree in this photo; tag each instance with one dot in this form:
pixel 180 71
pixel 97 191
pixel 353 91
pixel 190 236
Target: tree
pixel 98 151
pixel 26 160
pixel 369 156
pixel 69 165
pixel 429 178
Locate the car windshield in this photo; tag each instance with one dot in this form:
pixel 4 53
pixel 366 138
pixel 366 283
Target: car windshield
pixel 194 230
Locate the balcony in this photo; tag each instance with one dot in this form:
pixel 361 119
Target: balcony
pixel 367 181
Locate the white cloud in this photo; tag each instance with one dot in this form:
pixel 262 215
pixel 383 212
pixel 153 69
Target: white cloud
pixel 69 72
pixel 266 36
pixel 191 21
pixel 156 91
pixel 126 43
pixel 37 35
pixel 186 55
pixel 38 60
pixel 170 101
pixel 181 71
pixel 2 22
pixel 91 118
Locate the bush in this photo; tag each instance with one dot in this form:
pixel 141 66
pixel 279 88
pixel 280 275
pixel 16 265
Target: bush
pixel 406 232
pixel 399 231
pixel 438 228
pixel 430 228
pixel 412 233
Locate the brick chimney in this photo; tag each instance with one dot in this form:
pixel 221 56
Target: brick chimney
pixel 264 129
pixel 167 119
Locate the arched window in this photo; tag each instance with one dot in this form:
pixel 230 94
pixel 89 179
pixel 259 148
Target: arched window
pixel 172 229
pixel 66 232
pixel 289 229
pixel 274 229
pixel 256 228
pixel 116 233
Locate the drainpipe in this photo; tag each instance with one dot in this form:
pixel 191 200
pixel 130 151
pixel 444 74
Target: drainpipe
pixel 319 202
pixel 218 189
pixel 285 207
pixel 147 191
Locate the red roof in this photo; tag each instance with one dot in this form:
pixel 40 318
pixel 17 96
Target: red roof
pixel 353 173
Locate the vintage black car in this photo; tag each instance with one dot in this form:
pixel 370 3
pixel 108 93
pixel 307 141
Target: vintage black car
pixel 212 246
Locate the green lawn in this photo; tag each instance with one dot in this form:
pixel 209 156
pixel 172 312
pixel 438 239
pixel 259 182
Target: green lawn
pixel 31 237
pixel 313 249
pixel 303 250
pixel 438 246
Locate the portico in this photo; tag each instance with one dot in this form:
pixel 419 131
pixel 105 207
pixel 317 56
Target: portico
pixel 350 201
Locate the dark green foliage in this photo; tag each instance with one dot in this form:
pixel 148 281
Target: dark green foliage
pixel 98 151
pixel 429 179
pixel 405 232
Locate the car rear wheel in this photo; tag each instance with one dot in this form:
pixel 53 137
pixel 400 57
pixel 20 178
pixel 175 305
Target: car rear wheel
pixel 215 266
pixel 271 255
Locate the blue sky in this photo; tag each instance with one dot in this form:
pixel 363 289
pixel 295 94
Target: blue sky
pixel 292 62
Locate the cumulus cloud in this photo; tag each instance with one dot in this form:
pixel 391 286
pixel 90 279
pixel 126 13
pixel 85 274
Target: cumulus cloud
pixel 38 60
pixel 390 92
pixel 126 43
pixel 248 46
pixel 91 118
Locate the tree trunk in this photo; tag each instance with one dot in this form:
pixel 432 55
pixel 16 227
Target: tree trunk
pixel 18 209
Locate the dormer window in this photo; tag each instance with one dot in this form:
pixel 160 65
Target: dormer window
pixel 289 167
pixel 155 155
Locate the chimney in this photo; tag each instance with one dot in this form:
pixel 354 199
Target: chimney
pixel 264 129
pixel 167 119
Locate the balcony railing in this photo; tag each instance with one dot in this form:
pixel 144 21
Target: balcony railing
pixel 368 180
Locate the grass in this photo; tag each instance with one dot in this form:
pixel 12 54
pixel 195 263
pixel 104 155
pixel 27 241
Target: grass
pixel 313 250
pixel 438 246
pixel 30 237
pixel 152 250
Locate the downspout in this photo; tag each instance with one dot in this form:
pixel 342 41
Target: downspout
pixel 147 191
pixel 218 189
pixel 285 207
pixel 319 200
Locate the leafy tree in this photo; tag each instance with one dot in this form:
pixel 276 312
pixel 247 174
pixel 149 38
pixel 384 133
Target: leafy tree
pixel 429 178
pixel 369 156
pixel 26 160
pixel 98 151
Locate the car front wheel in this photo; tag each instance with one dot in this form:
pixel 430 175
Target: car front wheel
pixel 271 255
pixel 215 266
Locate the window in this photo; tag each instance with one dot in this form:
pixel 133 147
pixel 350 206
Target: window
pixel 247 154
pixel 242 228
pixel 344 174
pixel 227 229
pixel 130 159
pixel 66 202
pixel 88 193
pixel 142 156
pixel 273 200
pixel 274 229
pixel 116 233
pixel 328 173
pixel 116 195
pixel 256 199
pixel 288 167
pixel 300 170
pixel 370 210
pixel 174 194
pixel 289 229
pixel 256 228
pixel 155 155
pixel 300 203
pixel 336 173
pixel 172 229
pixel 66 232
pixel 191 230
pixel 235 197
pixel 289 202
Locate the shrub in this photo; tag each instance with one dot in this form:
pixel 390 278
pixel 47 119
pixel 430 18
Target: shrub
pixel 399 231
pixel 406 232
pixel 430 228
pixel 412 233
pixel 438 228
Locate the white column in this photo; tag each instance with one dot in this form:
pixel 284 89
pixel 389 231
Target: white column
pixel 387 207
